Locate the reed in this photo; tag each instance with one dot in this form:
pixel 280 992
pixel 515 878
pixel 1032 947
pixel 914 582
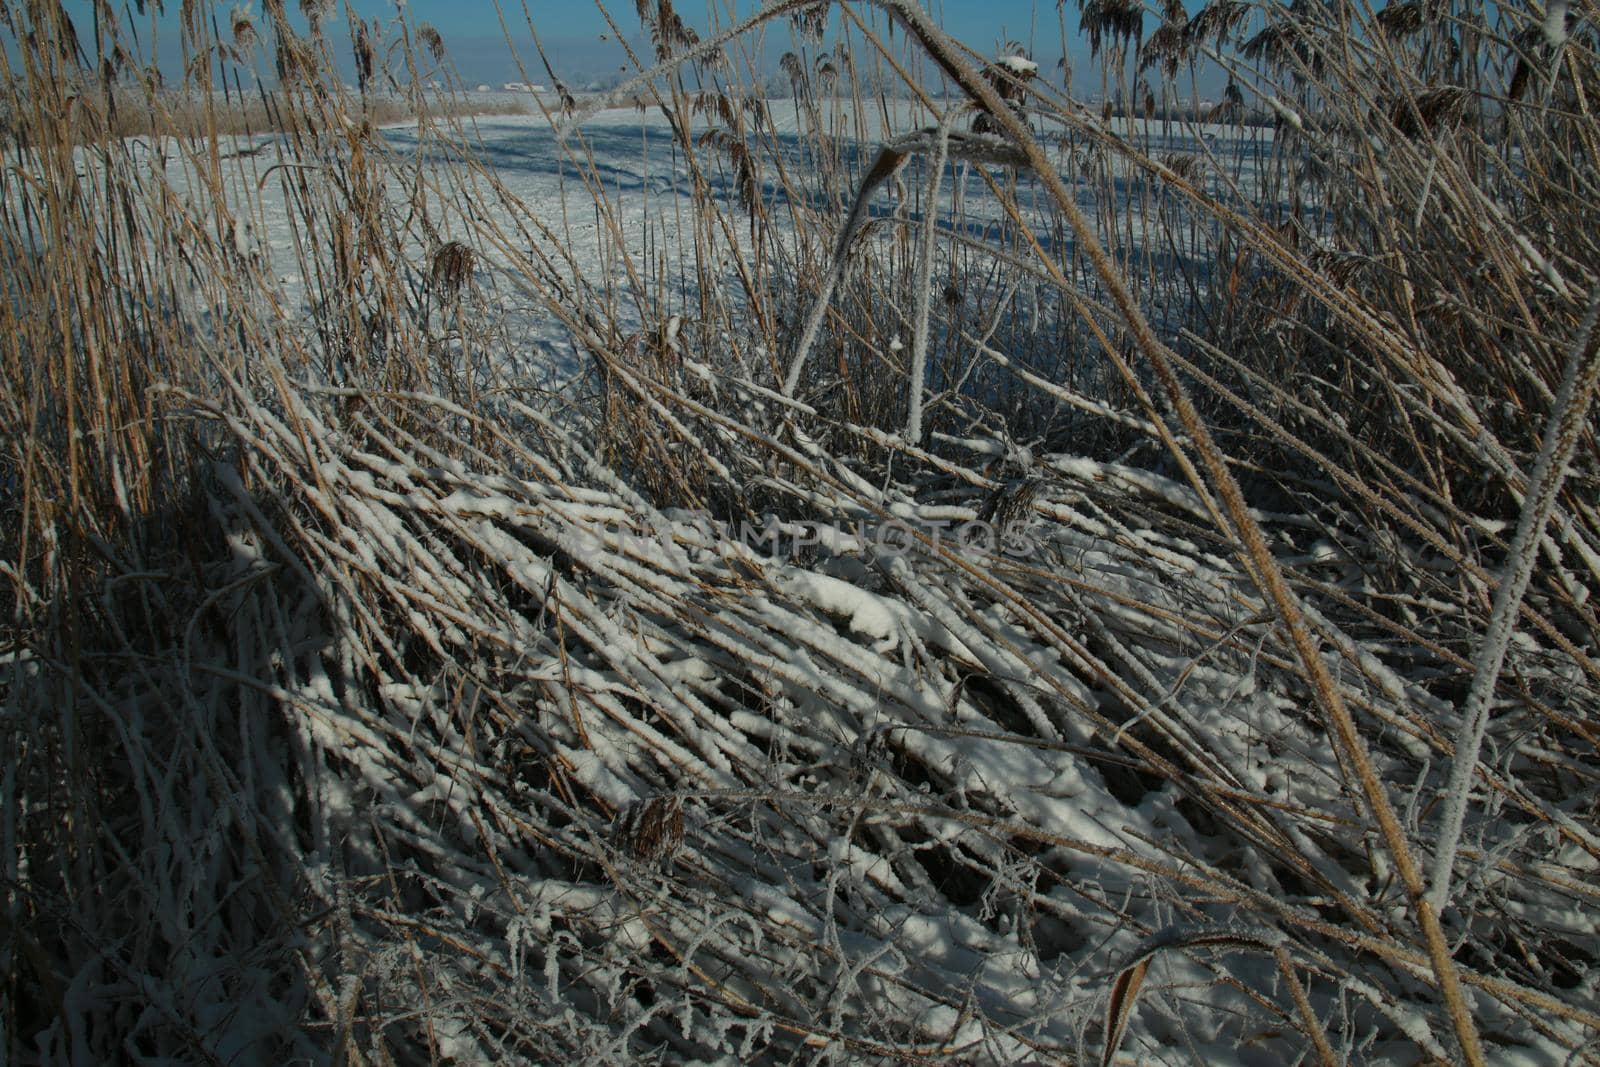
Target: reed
pixel 999 579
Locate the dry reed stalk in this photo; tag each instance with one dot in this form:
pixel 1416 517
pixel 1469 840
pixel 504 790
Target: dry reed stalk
pixel 619 757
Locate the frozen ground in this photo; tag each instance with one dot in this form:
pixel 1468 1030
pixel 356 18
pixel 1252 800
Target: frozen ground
pixel 548 185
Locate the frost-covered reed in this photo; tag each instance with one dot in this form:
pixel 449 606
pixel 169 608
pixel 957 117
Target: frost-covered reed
pixel 371 693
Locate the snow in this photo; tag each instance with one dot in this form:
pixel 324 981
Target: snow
pixel 1019 65
pixel 648 184
pixel 1554 25
pixel 880 618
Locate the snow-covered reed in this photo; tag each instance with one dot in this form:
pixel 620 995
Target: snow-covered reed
pixel 1021 593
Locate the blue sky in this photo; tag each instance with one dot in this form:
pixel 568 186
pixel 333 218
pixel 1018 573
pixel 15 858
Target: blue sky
pixel 581 46
pixel 972 20
pixel 575 26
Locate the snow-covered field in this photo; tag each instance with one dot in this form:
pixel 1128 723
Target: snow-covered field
pixel 627 157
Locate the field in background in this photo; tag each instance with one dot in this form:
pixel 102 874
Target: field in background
pixel 928 574
pixel 184 116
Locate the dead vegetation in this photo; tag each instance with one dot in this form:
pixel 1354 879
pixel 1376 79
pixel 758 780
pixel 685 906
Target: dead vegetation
pixel 364 699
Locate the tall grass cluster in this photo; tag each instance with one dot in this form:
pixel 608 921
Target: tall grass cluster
pixel 367 698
